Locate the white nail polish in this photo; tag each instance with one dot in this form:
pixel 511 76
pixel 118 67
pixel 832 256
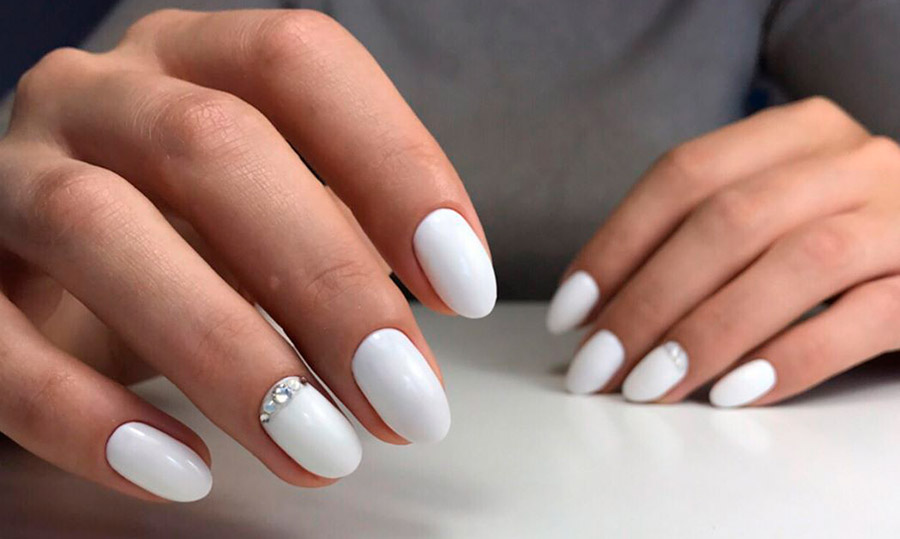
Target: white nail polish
pixel 744 384
pixel 572 302
pixel 595 363
pixel 401 386
pixel 456 263
pixel 657 373
pixel 158 463
pixel 310 429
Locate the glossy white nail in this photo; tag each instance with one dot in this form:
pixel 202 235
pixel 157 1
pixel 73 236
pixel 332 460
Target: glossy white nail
pixel 456 263
pixel 744 384
pixel 657 373
pixel 158 463
pixel 595 363
pixel 309 428
pixel 401 386
pixel 572 302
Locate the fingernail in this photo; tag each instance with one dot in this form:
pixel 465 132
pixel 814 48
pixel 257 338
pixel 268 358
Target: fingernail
pixel 158 463
pixel 456 263
pixel 401 386
pixel 744 384
pixel 309 428
pixel 657 373
pixel 595 363
pixel 572 302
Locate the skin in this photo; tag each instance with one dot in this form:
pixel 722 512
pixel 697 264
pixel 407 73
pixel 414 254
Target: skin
pixel 152 193
pixel 731 238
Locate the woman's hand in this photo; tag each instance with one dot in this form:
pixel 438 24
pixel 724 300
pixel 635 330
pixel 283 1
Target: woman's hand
pixel 706 270
pixel 147 184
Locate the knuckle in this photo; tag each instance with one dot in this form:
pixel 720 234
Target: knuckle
pixel 686 166
pixel 67 202
pixel 201 124
pixel 151 23
pixel 827 247
pixel 339 277
pixel 882 299
pixel 818 106
pixel 216 338
pixel 50 73
pixel 52 387
pixel 731 211
pixel 883 149
pixel 411 158
pixel 294 33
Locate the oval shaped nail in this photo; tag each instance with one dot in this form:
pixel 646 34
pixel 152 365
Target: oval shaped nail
pixel 657 373
pixel 744 384
pixel 595 363
pixel 400 384
pixel 158 463
pixel 572 302
pixel 310 429
pixel 456 263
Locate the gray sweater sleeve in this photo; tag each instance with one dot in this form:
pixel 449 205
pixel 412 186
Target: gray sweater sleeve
pixel 848 50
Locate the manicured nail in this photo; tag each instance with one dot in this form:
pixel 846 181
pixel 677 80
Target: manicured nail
pixel 572 302
pixel 595 363
pixel 310 429
pixel 744 384
pixel 657 373
pixel 158 463
pixel 456 263
pixel 401 386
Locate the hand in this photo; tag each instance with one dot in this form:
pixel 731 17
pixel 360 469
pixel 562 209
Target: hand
pixel 724 246
pixel 191 124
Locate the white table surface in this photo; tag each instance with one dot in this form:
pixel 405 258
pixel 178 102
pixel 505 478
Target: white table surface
pixel 524 459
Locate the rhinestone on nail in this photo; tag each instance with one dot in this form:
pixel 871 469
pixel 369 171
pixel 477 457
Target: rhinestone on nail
pixel 279 395
pixel 677 354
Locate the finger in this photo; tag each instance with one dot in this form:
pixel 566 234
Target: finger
pixel 683 178
pixel 104 242
pixel 219 163
pixel 798 272
pixel 369 146
pixel 716 241
pixel 66 413
pixel 859 326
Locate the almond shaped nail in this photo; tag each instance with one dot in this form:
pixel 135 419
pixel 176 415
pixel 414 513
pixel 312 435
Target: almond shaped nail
pixel 400 384
pixel 572 302
pixel 158 463
pixel 598 360
pixel 657 373
pixel 456 263
pixel 310 429
pixel 744 384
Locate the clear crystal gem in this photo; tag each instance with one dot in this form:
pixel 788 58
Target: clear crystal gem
pixel 294 384
pixel 269 407
pixel 264 417
pixel 282 394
